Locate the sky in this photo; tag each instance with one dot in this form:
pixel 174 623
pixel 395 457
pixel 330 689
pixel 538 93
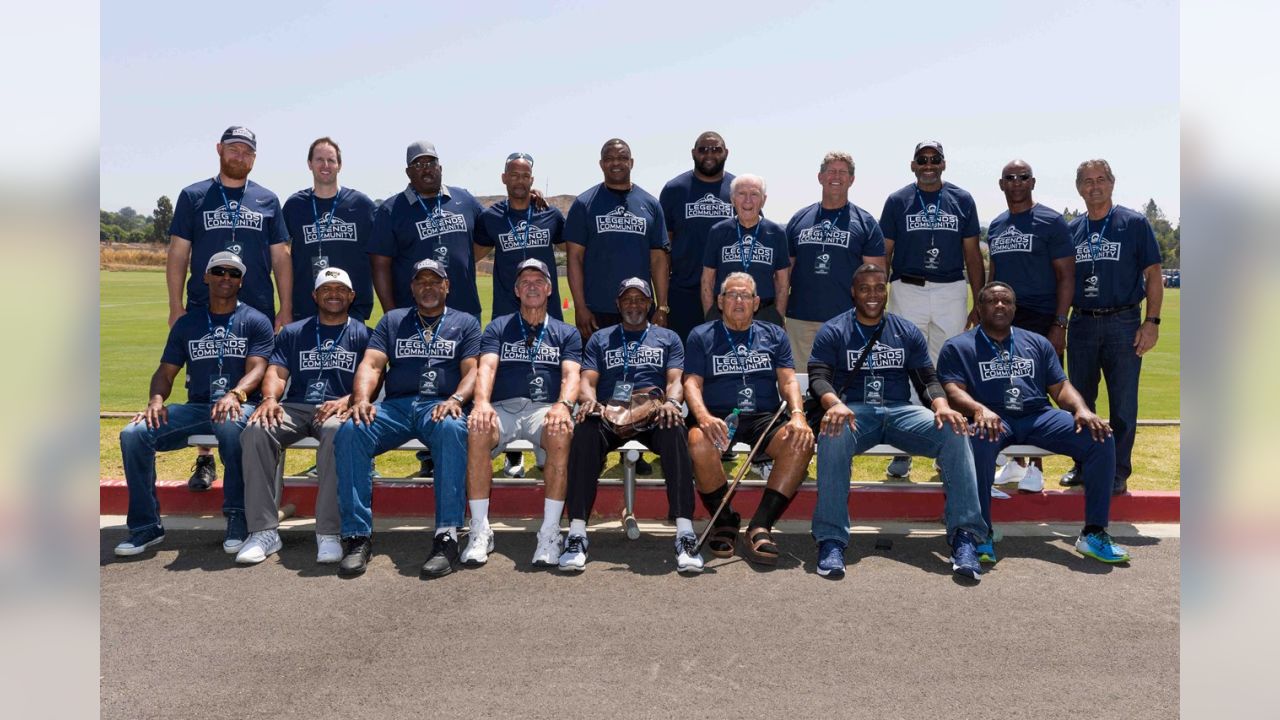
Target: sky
pixel 1051 83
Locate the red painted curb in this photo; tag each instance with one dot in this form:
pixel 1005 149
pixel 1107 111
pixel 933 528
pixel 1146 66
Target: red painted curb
pixel 923 503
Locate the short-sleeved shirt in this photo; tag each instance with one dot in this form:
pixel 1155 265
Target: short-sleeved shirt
pixel 928 229
pixel 199 338
pixel 900 347
pixel 709 355
pixel 837 240
pixel 330 232
pixel 400 334
pixel 618 229
pixel 612 350
pixel 690 208
pixel 515 236
pixel 764 248
pixel 506 337
pixel 205 214
pixel 969 359
pixel 312 351
pixel 408 228
pixel 1023 247
pixel 1114 260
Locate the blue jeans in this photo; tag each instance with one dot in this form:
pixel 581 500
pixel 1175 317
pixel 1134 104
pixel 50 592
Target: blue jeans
pixel 139 444
pixel 1053 430
pixel 398 420
pixel 1102 347
pixel 909 428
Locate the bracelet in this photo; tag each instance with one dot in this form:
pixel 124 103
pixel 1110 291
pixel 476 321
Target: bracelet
pixel 459 398
pixel 567 404
pixel 673 402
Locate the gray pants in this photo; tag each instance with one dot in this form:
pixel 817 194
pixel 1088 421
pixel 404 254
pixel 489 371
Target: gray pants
pixel 261 448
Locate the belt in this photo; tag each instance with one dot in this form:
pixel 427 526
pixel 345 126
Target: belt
pixel 912 280
pixel 1103 312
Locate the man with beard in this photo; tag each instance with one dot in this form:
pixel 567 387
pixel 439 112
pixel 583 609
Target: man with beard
pixel 872 406
pixel 750 243
pixel 692 202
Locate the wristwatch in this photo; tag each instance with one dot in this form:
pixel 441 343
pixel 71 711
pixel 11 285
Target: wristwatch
pixel 1153 320
pixel 241 395
pixel 797 410
pixel 1060 321
pixel 459 398
pixel 665 309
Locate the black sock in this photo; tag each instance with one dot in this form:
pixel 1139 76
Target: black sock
pixel 711 501
pixel 1091 529
pixel 772 505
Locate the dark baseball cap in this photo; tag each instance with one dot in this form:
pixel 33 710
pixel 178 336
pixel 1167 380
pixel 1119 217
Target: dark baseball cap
pixel 418 149
pixel 431 265
pixel 240 134
pixel 638 284
pixel 929 144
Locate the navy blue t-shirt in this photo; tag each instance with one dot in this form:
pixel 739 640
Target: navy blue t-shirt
pixel 197 337
pixel 709 355
pixel 322 236
pixel 611 350
pixel 764 245
pixel 970 359
pixel 828 245
pixel 516 235
pixel 690 207
pixel 1112 263
pixel 399 335
pixel 408 228
pixel 332 356
pixel 505 337
pixel 900 347
pixel 203 217
pixel 618 229
pixel 928 238
pixel 1023 248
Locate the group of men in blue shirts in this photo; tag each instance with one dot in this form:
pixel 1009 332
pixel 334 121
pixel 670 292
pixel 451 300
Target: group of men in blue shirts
pixel 695 297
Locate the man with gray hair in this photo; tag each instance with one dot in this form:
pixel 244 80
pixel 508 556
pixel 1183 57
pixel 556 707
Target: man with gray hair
pixel 828 241
pixel 752 244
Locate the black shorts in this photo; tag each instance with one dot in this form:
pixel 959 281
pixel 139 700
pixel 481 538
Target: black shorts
pixel 751 425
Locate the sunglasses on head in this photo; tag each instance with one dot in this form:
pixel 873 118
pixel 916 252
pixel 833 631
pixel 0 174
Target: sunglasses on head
pixel 929 160
pixel 1023 177
pixel 226 271
pixel 520 156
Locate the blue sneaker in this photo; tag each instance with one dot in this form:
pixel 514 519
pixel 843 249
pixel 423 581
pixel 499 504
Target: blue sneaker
pixel 1098 546
pixel 237 532
pixel 986 552
pixel 830 559
pixel 140 541
pixel 964 556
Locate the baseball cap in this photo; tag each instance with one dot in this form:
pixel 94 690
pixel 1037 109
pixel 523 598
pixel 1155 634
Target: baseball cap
pixel 226 258
pixel 239 134
pixel 333 274
pixel 431 265
pixel 533 264
pixel 929 144
pixel 637 283
pixel 418 149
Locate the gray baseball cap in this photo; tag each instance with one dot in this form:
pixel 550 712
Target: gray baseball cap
pixel 431 265
pixel 418 149
pixel 533 264
pixel 638 284
pixel 226 258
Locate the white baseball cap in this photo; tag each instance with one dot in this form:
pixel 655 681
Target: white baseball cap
pixel 333 274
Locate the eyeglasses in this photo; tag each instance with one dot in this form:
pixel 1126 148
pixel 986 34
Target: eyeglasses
pixel 731 296
pixel 929 160
pixel 520 156
pixel 233 273
pixel 1019 177
pixel 709 149
pixel 424 163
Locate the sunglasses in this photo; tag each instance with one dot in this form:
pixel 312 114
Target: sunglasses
pixel 424 163
pixel 1019 177
pixel 929 160
pixel 233 273
pixel 708 149
pixel 521 156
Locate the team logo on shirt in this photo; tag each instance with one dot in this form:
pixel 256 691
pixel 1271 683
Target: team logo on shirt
pixel 731 364
pixel 621 220
pixel 759 253
pixel 518 352
pixel 537 237
pixel 206 348
pixel 1107 250
pixel 330 227
pixel 224 217
pixel 709 206
pixel 412 347
pixel 327 357
pixel 824 233
pixel 994 369
pixel 933 218
pixel 1011 240
pixel 646 356
pixel 882 357
pixel 440 222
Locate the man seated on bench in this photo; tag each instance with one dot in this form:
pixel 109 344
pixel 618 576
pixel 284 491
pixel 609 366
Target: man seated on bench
pixel 317 358
pixel 432 354
pixel 861 369
pixel 736 366
pixel 527 382
pixel 633 357
pixel 225 348
pixel 999 376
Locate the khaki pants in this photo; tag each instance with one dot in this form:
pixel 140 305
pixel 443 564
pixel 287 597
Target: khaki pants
pixel 801 334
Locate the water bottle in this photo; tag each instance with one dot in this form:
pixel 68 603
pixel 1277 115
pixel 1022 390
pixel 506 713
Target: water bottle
pixel 730 422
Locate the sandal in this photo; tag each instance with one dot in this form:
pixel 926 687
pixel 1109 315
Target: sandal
pixel 761 548
pixel 721 541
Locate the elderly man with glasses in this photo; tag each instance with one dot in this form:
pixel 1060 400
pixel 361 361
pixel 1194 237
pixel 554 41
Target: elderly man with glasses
pixel 750 243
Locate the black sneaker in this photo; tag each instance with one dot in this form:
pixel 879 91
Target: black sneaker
pixel 203 474
pixel 643 467
pixel 355 555
pixel 427 468
pixel 1120 487
pixel 1072 477
pixel 443 558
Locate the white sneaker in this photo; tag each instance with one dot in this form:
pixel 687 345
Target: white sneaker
pixel 688 559
pixel 1001 459
pixel 514 470
pixel 1012 472
pixel 479 545
pixel 1032 481
pixel 549 547
pixel 259 545
pixel 574 557
pixel 328 549
pixel 999 494
pixel 765 469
